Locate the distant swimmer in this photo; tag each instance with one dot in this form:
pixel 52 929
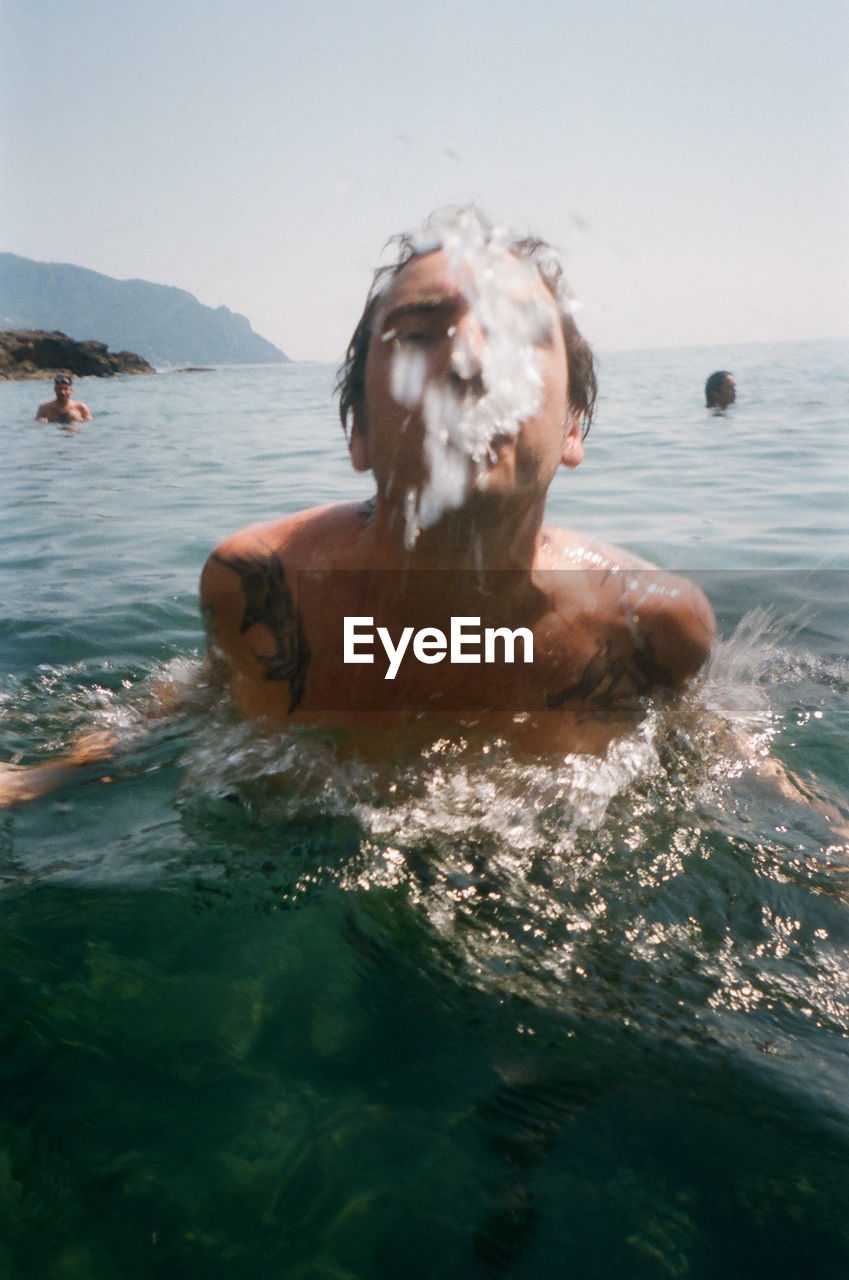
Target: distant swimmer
pixel 720 390
pixel 445 604
pixel 63 408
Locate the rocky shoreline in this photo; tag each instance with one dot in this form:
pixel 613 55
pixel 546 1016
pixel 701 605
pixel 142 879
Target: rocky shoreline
pixel 37 354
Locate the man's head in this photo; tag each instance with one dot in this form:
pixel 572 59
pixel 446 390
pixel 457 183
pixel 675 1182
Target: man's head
pixel 410 246
pixel 466 372
pixel 720 390
pixel 62 386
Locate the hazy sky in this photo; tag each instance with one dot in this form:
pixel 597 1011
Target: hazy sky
pixel 691 159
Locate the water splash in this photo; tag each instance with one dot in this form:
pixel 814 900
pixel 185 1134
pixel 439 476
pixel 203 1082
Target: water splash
pixel 447 786
pixel 460 427
pixel 661 887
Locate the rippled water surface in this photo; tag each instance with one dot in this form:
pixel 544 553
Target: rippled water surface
pixel 266 1012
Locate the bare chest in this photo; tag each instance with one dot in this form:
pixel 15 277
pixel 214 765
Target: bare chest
pixel 354 659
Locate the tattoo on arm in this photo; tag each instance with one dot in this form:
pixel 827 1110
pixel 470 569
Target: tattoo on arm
pixel 269 603
pixel 609 679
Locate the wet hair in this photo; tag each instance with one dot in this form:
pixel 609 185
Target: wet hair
pixel 63 380
pixel 583 389
pixel 714 385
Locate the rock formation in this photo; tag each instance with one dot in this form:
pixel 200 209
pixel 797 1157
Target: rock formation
pixel 32 353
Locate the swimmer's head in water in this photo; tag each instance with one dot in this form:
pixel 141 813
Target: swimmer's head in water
pixel 720 390
pixel 475 247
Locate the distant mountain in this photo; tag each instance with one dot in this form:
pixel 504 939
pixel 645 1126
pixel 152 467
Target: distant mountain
pixel 167 326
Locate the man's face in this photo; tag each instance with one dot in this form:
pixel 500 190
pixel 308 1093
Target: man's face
pixel 63 391
pixel 727 392
pixel 466 381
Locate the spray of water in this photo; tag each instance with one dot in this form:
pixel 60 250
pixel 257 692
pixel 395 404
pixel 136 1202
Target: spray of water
pixel 659 886
pixel 506 369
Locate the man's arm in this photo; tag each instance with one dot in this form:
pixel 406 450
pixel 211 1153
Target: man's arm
pixel 671 620
pixel 671 624
pixel 20 783
pixel 255 634
pixel 84 411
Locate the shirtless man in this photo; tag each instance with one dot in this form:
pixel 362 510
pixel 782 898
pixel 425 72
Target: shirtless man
pixel 465 387
pixel 63 408
pixel 445 604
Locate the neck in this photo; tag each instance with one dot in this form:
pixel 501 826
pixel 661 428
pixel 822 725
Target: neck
pixel 487 532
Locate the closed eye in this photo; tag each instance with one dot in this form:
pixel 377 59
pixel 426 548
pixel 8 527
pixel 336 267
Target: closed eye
pixel 421 337
pixel 423 322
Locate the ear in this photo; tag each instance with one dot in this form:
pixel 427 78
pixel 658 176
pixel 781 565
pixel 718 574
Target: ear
pixel 573 444
pixel 358 446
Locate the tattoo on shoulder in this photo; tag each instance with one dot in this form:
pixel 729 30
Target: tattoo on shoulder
pixel 366 510
pixel 610 678
pixel 269 603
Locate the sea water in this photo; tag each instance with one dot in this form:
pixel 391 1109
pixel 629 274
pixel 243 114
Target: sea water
pixel 483 1016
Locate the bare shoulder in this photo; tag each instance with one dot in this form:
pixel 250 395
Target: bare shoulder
pixel 317 538
pixel 672 620
pixel 234 568
pixel 667 619
pixel 251 576
pixel 568 549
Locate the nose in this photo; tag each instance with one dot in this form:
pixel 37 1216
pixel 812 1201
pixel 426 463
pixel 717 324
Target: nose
pixel 465 370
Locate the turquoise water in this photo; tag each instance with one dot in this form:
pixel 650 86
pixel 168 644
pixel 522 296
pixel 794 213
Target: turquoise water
pixel 485 1017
